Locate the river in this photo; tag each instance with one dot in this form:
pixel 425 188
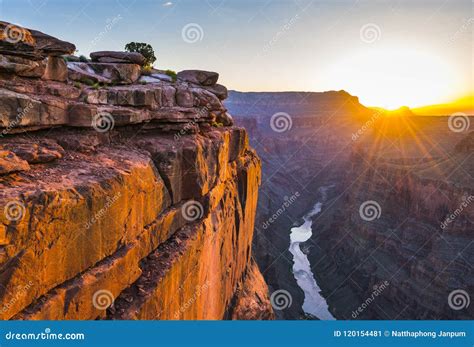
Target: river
pixel 314 303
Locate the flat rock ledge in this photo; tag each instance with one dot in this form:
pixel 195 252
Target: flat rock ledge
pixel 39 89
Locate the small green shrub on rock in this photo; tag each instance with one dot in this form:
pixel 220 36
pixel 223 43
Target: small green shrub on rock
pixel 172 74
pixel 144 49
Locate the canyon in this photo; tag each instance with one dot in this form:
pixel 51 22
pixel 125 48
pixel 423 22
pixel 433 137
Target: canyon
pixel 128 192
pixel 403 263
pixel 124 194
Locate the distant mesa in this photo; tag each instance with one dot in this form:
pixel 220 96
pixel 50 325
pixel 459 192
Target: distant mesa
pixel 463 105
pixel 403 111
pixel 296 104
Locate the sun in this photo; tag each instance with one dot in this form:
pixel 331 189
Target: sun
pixel 392 77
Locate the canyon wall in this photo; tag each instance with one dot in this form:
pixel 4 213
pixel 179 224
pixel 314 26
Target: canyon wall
pixel 415 168
pixel 124 195
pixel 302 140
pixel 398 244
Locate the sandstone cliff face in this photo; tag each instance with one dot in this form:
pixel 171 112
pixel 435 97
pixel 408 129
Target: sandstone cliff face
pixel 122 201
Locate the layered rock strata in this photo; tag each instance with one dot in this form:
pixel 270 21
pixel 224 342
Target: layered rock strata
pixel 130 201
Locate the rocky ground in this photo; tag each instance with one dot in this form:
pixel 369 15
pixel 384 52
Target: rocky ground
pixel 125 193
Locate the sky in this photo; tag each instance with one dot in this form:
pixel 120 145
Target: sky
pixel 389 53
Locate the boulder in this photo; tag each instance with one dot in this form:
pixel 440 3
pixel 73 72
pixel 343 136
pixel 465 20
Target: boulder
pixel 56 69
pixel 24 67
pixel 203 98
pixel 204 78
pixel 82 72
pixel 104 72
pixel 218 90
pixel 118 57
pixel 10 163
pixel 31 44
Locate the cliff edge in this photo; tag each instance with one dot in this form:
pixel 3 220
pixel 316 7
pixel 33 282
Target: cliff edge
pixel 124 193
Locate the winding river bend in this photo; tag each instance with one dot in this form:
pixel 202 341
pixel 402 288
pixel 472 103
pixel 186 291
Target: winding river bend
pixel 314 303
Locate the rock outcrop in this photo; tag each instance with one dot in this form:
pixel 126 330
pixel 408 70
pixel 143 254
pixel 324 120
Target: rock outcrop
pixel 118 57
pixel 121 201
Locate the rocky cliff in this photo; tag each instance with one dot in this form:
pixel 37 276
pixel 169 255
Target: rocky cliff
pixel 124 194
